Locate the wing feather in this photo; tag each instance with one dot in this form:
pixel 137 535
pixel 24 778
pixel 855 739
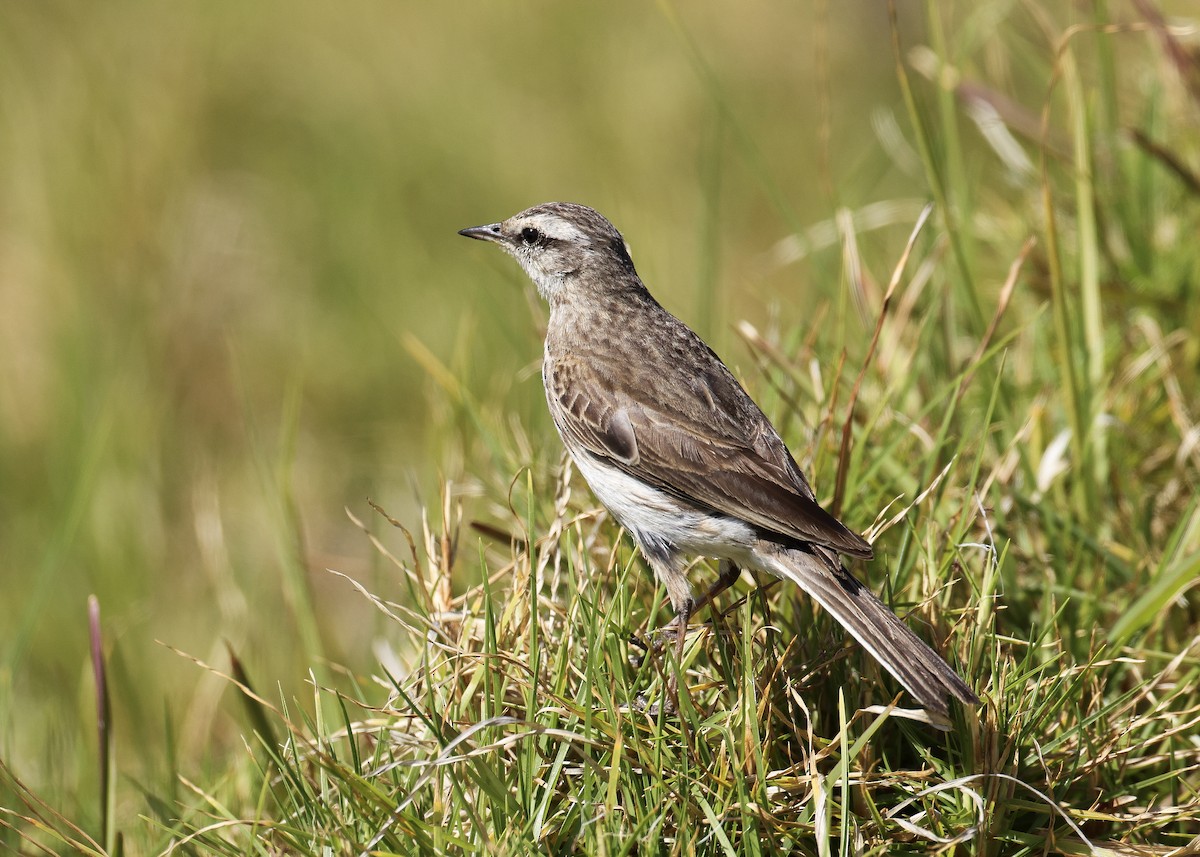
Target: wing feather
pixel 705 442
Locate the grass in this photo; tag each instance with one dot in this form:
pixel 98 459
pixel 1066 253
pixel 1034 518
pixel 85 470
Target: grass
pixel 1009 411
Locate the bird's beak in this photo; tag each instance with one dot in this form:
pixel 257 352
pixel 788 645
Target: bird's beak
pixel 491 232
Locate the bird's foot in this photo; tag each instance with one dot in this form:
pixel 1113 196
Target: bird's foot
pixel 641 649
pixel 666 706
pixel 655 643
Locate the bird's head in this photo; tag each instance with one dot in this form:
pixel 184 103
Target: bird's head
pixel 564 248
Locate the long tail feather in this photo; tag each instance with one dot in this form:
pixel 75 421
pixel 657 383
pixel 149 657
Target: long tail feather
pixel 917 667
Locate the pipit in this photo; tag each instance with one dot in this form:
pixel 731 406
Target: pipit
pixel 679 453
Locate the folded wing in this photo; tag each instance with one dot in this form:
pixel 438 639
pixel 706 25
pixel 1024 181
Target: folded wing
pixel 708 444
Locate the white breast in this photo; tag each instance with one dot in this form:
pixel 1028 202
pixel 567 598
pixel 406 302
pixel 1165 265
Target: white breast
pixel 641 508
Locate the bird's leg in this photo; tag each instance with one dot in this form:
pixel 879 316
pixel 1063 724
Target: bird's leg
pixel 670 572
pixel 683 613
pixel 727 576
pixel 675 629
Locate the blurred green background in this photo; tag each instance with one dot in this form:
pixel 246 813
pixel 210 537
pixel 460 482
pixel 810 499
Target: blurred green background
pixel 229 273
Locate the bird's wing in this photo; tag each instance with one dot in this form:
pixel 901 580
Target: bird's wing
pixel 700 438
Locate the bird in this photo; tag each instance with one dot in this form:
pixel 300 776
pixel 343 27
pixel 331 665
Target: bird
pixel 677 451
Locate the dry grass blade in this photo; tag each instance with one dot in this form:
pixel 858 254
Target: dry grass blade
pixel 881 526
pixel 1002 301
pixel 416 574
pixel 246 689
pixel 893 284
pixel 43 819
pixel 960 784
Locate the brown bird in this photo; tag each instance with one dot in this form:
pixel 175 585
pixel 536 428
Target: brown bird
pixel 679 453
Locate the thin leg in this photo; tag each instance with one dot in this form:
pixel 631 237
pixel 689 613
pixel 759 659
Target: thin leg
pixel 669 570
pixel 682 616
pixel 727 576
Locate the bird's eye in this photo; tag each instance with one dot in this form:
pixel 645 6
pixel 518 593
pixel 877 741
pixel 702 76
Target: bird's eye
pixel 530 235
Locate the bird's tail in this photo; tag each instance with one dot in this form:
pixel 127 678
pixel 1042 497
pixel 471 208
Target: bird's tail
pixel 917 667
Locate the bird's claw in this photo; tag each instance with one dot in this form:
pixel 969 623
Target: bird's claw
pixel 653 709
pixel 659 641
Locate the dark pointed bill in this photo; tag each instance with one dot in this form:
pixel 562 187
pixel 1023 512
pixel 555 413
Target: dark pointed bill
pixel 491 232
